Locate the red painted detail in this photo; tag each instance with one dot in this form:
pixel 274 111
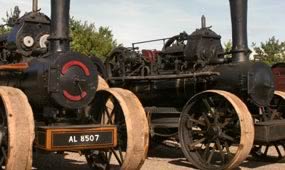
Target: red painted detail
pixel 279 77
pixel 72 97
pixel 150 55
pixel 75 63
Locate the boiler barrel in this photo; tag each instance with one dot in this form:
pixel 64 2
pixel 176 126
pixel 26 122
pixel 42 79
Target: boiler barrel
pixel 161 93
pixel 245 79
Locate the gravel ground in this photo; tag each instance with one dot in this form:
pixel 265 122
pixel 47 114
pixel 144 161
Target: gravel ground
pixel 160 158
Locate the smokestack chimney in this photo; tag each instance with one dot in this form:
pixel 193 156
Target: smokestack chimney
pixel 239 30
pixel 203 21
pixel 35 5
pixel 59 32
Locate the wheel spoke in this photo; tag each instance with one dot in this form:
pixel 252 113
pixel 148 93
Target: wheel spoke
pixel 225 136
pixel 210 156
pixel 121 154
pixel 206 119
pixel 109 156
pixel 212 103
pixel 266 150
pixel 103 119
pixel 227 148
pixel 109 121
pixel 4 155
pixel 278 151
pixel 216 119
pixel 206 103
pixel 192 145
pixel 197 131
pixel 220 149
pixel 196 121
pixel 206 151
pixel 226 122
pixel 117 157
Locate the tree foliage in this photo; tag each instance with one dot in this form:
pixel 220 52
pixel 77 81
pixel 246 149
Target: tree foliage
pixel 270 52
pixel 228 46
pixel 3 29
pixel 9 21
pixel 87 40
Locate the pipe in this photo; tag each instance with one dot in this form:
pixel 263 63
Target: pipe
pixel 167 77
pixel 59 32
pixel 240 48
pixel 35 5
pixel 203 21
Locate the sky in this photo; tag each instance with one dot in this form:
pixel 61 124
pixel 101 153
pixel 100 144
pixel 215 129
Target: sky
pixel 139 20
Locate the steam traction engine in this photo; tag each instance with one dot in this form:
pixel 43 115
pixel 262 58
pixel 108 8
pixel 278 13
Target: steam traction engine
pixel 232 110
pixel 48 93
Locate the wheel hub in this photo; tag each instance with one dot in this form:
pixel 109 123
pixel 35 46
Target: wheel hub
pixel 214 132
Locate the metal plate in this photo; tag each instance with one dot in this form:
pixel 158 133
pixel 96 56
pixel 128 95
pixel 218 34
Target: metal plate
pixel 76 137
pixel 269 131
pixel 82 139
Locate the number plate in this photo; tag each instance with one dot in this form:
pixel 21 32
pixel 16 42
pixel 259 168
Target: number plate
pixel 84 139
pixel 76 137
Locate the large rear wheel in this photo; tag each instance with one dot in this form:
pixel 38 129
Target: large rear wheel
pixel 216 130
pixel 121 108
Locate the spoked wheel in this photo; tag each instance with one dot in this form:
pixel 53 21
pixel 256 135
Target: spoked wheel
pixel 269 153
pixel 16 130
pixel 277 105
pixel 122 108
pixel 115 62
pixel 272 152
pixel 216 130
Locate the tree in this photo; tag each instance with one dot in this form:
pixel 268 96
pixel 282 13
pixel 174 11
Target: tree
pixel 270 52
pixel 228 46
pixel 3 29
pixel 87 40
pixel 11 18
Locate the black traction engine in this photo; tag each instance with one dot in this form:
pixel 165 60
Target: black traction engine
pixel 53 99
pixel 210 100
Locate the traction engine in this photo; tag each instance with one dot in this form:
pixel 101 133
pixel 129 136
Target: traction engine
pixel 212 101
pixel 53 99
